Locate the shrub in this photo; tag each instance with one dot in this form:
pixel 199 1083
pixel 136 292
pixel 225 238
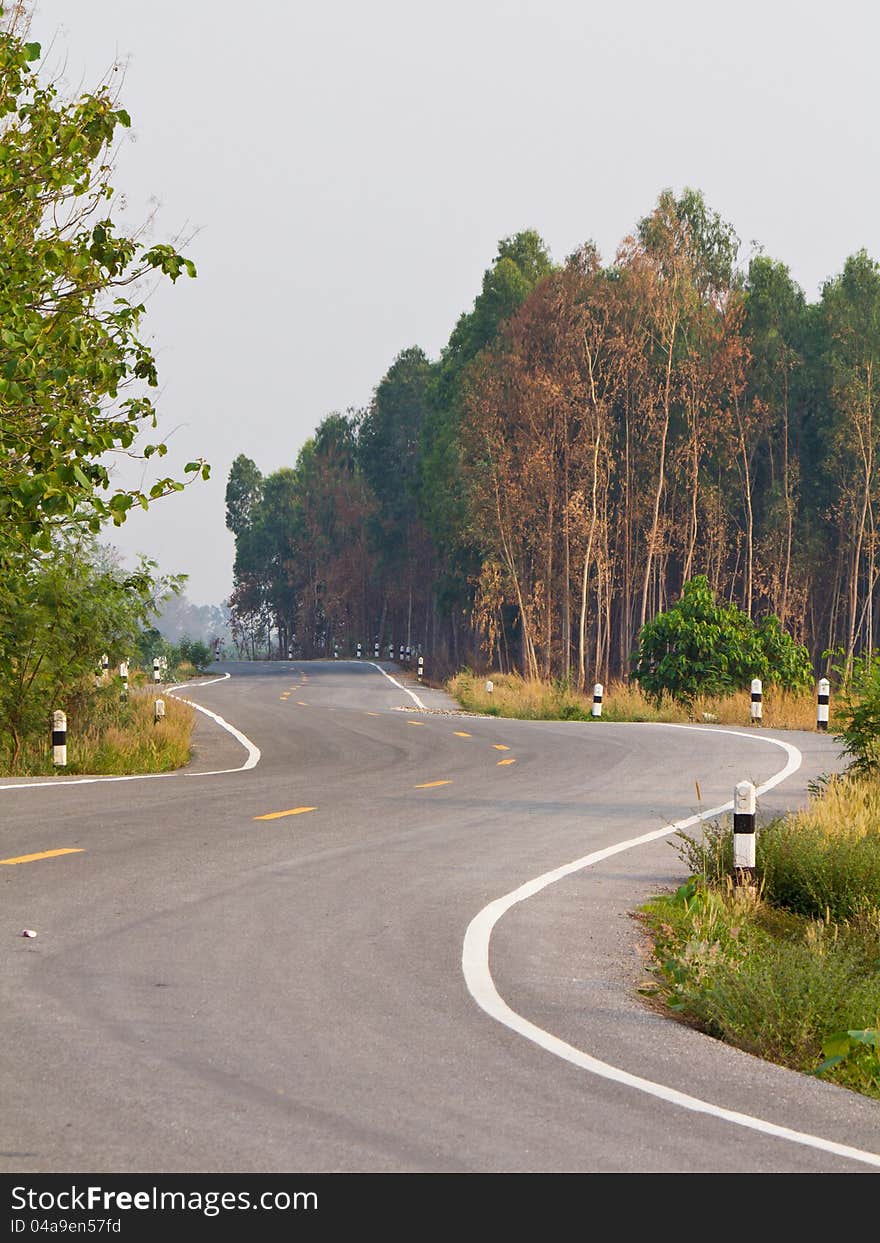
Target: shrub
pixel 860 712
pixel 700 647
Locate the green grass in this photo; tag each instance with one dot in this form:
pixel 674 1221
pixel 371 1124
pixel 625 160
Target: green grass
pixel 788 969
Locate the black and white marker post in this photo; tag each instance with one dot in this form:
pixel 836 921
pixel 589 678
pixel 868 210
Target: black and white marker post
pixel 59 739
pixel 823 698
pixel 744 803
pixel 123 673
pixel 757 701
pixel 375 651
pixel 598 692
pixel 157 670
pixel 400 661
pixel 359 651
pixel 421 667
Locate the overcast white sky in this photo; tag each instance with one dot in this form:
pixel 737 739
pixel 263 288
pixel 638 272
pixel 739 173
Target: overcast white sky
pixel 351 166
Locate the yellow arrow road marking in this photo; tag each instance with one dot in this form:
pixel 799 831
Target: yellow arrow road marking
pixel 429 785
pixel 45 854
pixel 276 815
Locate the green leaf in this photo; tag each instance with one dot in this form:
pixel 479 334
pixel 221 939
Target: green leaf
pixel 837 1045
pixel 827 1064
pixel 869 1036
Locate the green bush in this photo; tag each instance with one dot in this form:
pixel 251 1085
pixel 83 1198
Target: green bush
pixel 799 866
pixel 860 711
pixel 700 647
pixel 789 989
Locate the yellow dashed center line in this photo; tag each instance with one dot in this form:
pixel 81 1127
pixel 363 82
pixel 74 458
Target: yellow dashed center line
pixel 460 733
pixel 506 762
pixel 372 714
pixel 429 785
pixel 301 704
pixel 415 722
pixel 44 854
pixel 499 746
pixel 276 815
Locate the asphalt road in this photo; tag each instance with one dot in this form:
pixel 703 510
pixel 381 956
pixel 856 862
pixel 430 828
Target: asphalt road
pixel 210 990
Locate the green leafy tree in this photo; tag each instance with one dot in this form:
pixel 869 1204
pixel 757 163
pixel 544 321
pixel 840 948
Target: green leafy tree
pixel 74 373
pixel 244 490
pixel 56 621
pixel 860 711
pixel 196 651
pixel 700 647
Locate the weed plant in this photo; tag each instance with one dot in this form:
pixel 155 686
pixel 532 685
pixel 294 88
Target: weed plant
pixel 788 969
pixel 109 735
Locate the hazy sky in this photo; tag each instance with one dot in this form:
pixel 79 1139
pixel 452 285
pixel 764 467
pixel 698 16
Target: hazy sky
pixel 351 166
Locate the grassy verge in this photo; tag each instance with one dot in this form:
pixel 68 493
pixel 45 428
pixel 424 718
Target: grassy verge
pixel 514 696
pixel 790 969
pixel 112 737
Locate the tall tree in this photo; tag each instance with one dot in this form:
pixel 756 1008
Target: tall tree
pixel 73 369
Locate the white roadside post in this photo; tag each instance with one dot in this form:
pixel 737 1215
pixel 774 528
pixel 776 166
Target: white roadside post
pixel 156 670
pixel 158 711
pixel 598 692
pixel 490 686
pixel 123 673
pixel 757 707
pixel 823 699
pixel 421 667
pixel 744 804
pixel 59 739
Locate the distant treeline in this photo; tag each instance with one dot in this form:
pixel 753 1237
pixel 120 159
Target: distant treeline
pixel 590 438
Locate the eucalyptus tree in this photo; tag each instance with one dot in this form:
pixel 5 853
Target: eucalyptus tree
pixel 851 316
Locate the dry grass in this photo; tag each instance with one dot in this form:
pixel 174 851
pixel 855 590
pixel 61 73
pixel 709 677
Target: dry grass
pixel 119 739
pixel 847 808
pixel 514 696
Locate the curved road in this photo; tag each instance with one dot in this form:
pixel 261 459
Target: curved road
pixel 214 990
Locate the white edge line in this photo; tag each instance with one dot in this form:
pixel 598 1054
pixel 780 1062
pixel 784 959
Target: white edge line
pixel 413 696
pixel 478 976
pixel 253 756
